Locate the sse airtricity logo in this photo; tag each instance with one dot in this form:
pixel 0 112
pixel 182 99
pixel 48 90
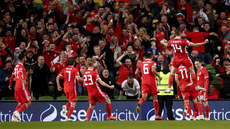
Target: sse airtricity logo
pixel 49 114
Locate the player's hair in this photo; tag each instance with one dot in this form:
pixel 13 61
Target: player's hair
pixel 70 61
pixel 21 56
pixel 90 62
pixel 177 32
pixel 67 44
pixel 198 60
pixel 130 76
pixel 149 55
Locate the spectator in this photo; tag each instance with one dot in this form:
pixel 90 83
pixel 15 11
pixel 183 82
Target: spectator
pixel 108 80
pixel 40 78
pixel 131 87
pixel 213 93
pixel 226 79
pixel 56 68
pixel 81 67
pixel 50 54
pixel 197 37
pixel 124 70
pixel 17 51
pixel 5 75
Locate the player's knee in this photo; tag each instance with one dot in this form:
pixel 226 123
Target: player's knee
pixel 108 101
pixel 73 103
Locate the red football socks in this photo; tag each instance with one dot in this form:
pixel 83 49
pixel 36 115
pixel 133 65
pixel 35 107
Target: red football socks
pixel 23 107
pixel 19 105
pixel 200 108
pixel 89 111
pixel 194 79
pixel 171 78
pixel 142 100
pixel 206 108
pixel 68 104
pixel 195 109
pixel 156 106
pixel 70 110
pixel 108 109
pixel 189 110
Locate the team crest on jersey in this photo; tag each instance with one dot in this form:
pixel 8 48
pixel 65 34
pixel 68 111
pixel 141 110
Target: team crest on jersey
pixel 20 69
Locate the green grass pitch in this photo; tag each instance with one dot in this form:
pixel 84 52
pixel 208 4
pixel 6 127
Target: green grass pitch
pixel 119 125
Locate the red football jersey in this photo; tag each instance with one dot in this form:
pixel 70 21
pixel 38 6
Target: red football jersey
pixel 148 77
pixel 20 75
pixel 90 81
pixel 59 66
pixel 50 56
pixel 183 76
pixel 123 73
pixel 202 74
pixel 69 74
pixel 179 46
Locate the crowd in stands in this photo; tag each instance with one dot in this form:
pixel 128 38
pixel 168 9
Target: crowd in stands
pixel 115 34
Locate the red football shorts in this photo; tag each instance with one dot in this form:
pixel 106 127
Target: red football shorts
pixel 150 89
pixel 97 97
pixel 203 96
pixel 185 60
pixel 190 93
pixel 22 95
pixel 71 96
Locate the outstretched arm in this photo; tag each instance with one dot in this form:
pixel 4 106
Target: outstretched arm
pixel 104 84
pixel 199 44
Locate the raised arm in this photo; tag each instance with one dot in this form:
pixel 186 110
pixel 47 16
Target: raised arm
pixel 121 57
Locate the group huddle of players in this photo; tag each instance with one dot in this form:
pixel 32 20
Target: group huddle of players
pixel 192 86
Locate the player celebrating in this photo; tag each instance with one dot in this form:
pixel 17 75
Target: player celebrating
pixel 203 82
pixel 91 79
pixel 149 85
pixel 21 93
pixel 181 56
pixel 187 88
pixel 70 74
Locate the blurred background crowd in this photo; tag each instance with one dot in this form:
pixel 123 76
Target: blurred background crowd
pixel 116 33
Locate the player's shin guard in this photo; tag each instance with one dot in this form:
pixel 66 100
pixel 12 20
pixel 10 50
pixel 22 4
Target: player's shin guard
pixel 189 110
pixel 171 78
pixel 19 105
pixel 108 109
pixel 23 107
pixel 194 78
pixel 142 100
pixel 68 104
pixel 89 111
pixel 156 106
pixel 200 108
pixel 206 108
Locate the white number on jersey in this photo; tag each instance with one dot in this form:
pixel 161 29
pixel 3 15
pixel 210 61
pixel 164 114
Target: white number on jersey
pixel 146 70
pixel 89 78
pixel 69 74
pixel 175 48
pixel 183 72
pixel 16 72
